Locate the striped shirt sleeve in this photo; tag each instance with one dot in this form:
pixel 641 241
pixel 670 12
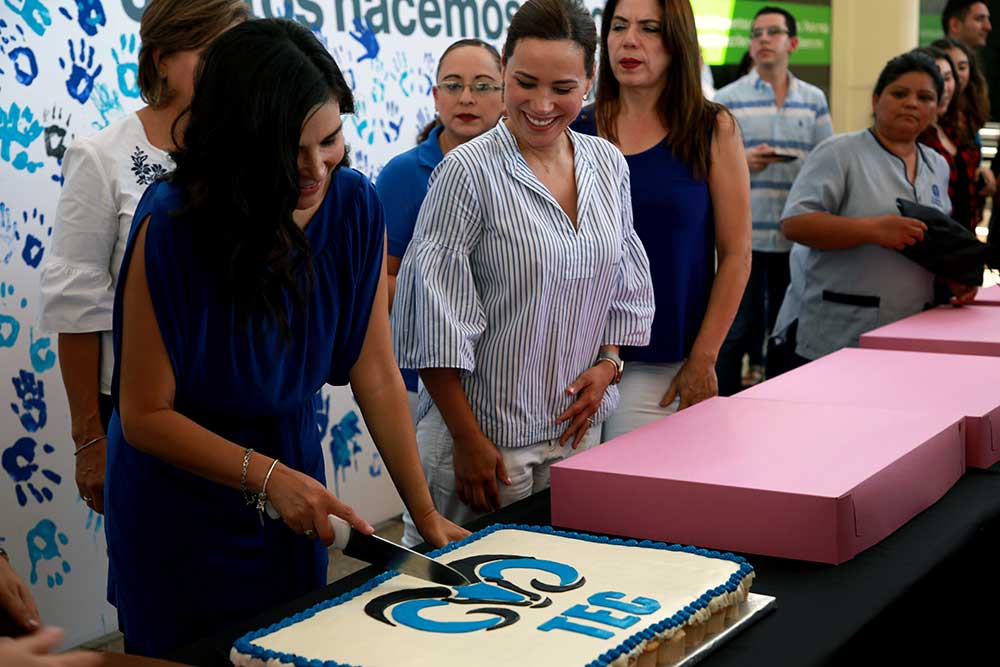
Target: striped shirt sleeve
pixel 437 316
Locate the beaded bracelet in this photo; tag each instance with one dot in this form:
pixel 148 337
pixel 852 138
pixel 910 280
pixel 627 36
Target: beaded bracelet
pixel 247 496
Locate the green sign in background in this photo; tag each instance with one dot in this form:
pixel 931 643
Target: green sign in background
pixel 724 30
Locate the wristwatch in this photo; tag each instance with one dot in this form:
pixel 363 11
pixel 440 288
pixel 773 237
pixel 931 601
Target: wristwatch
pixel 614 360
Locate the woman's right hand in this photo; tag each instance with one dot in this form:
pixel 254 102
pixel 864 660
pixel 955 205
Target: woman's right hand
pixel 478 464
pixel 304 504
pixel 33 651
pixel 90 470
pixel 896 232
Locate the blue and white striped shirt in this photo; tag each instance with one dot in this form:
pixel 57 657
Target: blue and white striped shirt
pixel 498 283
pixel 797 127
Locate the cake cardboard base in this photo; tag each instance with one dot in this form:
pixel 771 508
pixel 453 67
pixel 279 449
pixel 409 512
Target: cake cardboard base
pixel 809 482
pixel 957 386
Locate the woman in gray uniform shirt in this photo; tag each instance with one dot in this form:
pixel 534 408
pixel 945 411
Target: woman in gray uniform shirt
pixel 847 277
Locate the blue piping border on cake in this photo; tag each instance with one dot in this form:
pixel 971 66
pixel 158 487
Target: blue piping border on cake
pixel 245 646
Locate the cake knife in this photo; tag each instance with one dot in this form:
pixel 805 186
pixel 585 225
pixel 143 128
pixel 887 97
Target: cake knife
pixel 387 555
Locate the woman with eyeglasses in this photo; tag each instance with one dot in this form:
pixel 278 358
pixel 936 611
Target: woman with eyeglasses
pixel 523 277
pixel 690 198
pixel 468 101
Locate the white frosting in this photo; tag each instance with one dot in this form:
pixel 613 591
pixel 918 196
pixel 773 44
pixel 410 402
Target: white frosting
pixel 346 634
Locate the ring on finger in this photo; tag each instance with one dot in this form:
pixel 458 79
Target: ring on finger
pixel 309 532
pixel 86 499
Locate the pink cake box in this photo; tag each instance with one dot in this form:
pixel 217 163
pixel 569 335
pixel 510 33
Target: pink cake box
pixel 793 480
pixel 966 330
pixel 988 296
pixel 956 385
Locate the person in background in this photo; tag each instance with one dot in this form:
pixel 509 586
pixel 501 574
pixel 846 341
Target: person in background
pixel 523 278
pixel 782 119
pixel 105 176
pixel 847 276
pixel 690 197
pixel 468 101
pixel 959 150
pixel 973 110
pixel 967 21
pixel 252 277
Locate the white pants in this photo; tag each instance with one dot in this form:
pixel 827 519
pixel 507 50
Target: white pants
pixel 527 467
pixel 641 388
pixel 414 399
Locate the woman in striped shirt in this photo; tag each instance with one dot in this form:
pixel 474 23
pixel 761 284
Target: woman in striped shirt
pixel 523 277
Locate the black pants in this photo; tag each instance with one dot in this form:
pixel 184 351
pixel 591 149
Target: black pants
pixel 781 357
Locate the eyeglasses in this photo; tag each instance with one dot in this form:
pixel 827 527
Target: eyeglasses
pixel 773 31
pixel 479 88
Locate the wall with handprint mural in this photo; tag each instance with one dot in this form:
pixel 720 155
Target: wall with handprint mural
pixel 68 69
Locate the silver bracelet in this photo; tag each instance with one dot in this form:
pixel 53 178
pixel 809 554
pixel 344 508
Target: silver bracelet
pixel 247 496
pixel 262 496
pixel 89 443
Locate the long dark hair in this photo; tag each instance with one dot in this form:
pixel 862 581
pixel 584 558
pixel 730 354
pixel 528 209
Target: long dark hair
pixel 689 117
pixel 952 114
pixel 256 86
pixel 429 127
pixel 976 95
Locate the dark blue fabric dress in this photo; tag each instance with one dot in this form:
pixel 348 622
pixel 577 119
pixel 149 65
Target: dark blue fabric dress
pixel 673 216
pixel 186 555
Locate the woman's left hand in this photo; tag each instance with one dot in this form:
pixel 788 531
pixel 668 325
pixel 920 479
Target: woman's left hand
pixel 964 294
pixel 589 388
pixel 989 181
pixel 694 382
pixel 438 530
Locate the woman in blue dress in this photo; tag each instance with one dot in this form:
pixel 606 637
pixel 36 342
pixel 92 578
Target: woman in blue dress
pixel 253 275
pixel 690 199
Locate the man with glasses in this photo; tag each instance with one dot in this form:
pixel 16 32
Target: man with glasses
pixel 782 119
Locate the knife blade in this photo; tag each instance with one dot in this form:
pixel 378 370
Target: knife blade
pixel 385 554
pixel 391 556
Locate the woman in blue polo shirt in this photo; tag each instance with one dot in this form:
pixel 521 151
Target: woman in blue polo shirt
pixel 847 276
pixel 468 102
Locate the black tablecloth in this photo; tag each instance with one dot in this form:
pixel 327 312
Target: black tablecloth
pixel 925 591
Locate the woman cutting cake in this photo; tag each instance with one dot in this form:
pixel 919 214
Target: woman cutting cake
pixel 253 276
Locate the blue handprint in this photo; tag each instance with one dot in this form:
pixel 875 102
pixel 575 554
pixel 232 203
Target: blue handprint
pixel 108 105
pixel 428 72
pixel 33 247
pixel 128 72
pixel 390 128
pixel 42 356
pixel 80 82
pixel 89 14
pixel 365 36
pixel 424 116
pixel 43 545
pixel 375 467
pixel 31 393
pixel 9 236
pixel 21 57
pixel 22 129
pixel 55 133
pixel 343 446
pixel 19 462
pixel 34 14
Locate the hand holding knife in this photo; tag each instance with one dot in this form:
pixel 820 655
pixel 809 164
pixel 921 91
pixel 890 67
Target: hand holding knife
pixel 385 554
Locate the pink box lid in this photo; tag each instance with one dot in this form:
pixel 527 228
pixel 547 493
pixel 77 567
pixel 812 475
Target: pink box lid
pixel 800 448
pixel 966 330
pixel 988 296
pixel 960 385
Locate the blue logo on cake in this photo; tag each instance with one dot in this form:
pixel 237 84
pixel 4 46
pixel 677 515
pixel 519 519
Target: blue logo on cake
pixel 494 596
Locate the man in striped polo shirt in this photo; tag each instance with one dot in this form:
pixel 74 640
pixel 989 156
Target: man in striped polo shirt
pixel 782 119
